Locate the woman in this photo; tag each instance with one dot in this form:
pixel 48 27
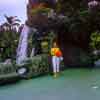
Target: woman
pixel 56 55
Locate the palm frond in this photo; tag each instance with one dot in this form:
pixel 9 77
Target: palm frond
pixel 15 24
pixel 17 20
pixel 5 24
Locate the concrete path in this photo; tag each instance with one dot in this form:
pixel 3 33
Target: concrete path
pixel 73 84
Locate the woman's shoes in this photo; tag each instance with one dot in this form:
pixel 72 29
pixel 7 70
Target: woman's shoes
pixel 56 74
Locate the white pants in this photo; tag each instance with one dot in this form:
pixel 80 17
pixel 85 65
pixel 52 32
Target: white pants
pixel 56 64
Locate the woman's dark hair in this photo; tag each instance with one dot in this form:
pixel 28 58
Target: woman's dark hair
pixel 55 40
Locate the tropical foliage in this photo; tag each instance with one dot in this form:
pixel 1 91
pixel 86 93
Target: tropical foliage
pixel 36 66
pixel 8 44
pixel 11 22
pixel 95 40
pixel 9 37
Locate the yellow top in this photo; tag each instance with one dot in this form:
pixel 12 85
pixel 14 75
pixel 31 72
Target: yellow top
pixel 54 50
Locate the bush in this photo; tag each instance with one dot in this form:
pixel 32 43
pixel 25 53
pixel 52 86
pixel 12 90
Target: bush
pixel 95 41
pixel 36 66
pixel 5 69
pixel 95 45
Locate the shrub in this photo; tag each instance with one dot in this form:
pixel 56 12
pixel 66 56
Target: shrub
pixel 36 66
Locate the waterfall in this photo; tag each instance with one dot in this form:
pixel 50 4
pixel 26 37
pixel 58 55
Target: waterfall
pixel 23 44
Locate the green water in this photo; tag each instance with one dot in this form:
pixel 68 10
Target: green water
pixel 73 84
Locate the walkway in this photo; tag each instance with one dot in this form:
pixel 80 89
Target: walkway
pixel 73 84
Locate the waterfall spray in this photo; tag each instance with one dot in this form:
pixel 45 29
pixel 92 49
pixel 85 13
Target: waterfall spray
pixel 23 44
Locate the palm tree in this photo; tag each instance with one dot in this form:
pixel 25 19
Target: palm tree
pixel 11 22
pixel 9 36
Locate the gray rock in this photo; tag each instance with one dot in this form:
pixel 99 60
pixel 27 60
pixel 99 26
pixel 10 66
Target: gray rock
pixel 97 63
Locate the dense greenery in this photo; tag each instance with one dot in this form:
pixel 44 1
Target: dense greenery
pixel 79 21
pixel 36 66
pixel 75 28
pixel 8 44
pixel 95 41
pixel 9 37
pixel 73 21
